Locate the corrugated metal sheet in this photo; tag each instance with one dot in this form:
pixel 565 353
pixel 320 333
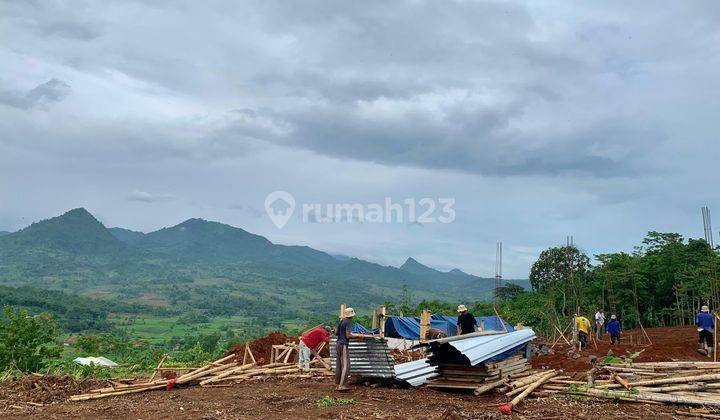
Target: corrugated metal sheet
pixel 416 372
pixel 478 349
pixel 368 358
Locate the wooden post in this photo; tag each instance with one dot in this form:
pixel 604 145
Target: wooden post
pixel 375 318
pixel 248 354
pixel 342 310
pixel 715 338
pixel 504 328
pixel 157 369
pixel 383 318
pixel 424 324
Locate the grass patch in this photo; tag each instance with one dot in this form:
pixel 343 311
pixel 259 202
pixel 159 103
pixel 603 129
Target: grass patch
pixel 328 401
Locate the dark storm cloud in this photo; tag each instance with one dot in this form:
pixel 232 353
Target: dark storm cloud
pixel 52 91
pixel 542 119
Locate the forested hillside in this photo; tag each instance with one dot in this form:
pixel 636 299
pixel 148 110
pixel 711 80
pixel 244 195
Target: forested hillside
pixel 208 268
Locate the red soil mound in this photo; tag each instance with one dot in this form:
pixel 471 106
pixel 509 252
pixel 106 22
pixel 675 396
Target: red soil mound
pixel 261 347
pixel 668 344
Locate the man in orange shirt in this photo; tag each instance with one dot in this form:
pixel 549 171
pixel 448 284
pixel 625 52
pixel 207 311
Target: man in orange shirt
pixel 311 340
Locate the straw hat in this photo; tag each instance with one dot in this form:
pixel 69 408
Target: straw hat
pixel 705 308
pixel 462 308
pixel 349 313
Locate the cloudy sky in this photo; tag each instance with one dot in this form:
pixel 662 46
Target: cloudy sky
pixel 541 119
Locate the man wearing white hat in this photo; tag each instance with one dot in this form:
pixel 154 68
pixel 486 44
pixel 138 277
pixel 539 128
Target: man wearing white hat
pixel 466 322
pixel 342 355
pixel 706 324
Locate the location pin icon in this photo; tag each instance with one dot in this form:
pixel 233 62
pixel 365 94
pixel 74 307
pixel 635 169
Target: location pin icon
pixel 280 206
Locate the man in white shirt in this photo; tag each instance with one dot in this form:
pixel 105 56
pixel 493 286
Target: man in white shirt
pixel 599 323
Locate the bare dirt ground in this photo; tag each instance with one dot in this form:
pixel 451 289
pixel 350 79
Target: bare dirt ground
pixel 668 344
pixel 297 398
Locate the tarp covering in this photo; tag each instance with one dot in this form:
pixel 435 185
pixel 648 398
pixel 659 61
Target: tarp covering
pixel 359 329
pixel 409 327
pixel 97 361
pixel 493 323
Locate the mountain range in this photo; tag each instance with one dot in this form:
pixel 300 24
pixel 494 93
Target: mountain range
pixel 213 267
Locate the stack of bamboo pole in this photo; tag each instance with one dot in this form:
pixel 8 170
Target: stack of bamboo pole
pixel 221 372
pixel 684 383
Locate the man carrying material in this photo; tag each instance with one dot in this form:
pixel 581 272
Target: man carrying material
pixel 466 322
pixel 310 341
pixel 706 324
pixel 342 355
pixel 583 326
pixel 613 328
pixel 599 323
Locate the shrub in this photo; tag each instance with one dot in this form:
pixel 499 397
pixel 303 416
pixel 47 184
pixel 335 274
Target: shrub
pixel 27 343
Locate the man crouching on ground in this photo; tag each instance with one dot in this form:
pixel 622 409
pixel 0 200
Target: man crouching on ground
pixel 309 342
pixel 342 356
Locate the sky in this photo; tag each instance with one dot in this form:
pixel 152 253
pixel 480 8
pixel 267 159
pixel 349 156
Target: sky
pixel 539 119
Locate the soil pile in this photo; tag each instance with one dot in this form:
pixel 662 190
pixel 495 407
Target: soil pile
pixel 261 347
pixel 43 389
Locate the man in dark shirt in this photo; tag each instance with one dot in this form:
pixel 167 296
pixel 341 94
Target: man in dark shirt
pixel 466 322
pixel 342 356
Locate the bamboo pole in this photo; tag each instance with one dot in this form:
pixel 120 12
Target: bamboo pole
pixel 673 388
pixel 619 379
pixel 210 365
pixel 507 408
pixel 678 380
pixel 696 414
pixel 490 386
pixel 227 373
pixel 562 335
pixel 661 398
pixel 84 397
pixel 189 377
pixel 526 380
pixel 715 338
pixel 157 369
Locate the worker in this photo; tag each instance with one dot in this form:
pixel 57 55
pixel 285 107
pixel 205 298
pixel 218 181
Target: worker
pixel 599 323
pixel 583 326
pixel 466 322
pixel 311 341
pixel 342 355
pixel 613 328
pixel 706 324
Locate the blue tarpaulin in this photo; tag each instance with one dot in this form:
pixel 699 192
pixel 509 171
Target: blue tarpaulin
pixel 359 329
pixel 409 327
pixel 492 323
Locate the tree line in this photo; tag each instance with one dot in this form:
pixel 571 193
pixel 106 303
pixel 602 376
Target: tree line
pixel 663 282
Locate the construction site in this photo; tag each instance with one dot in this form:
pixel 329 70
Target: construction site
pixel 399 372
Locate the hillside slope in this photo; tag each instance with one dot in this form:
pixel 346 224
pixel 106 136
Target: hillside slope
pixel 212 267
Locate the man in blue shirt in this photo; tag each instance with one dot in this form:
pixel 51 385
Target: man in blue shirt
pixel 613 328
pixel 706 324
